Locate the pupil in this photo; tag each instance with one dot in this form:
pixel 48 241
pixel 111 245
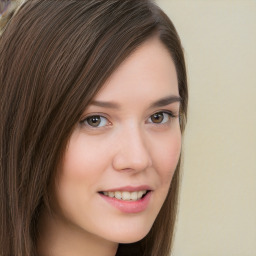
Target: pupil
pixel 157 118
pixel 94 121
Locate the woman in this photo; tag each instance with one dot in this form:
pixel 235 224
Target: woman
pixel 93 105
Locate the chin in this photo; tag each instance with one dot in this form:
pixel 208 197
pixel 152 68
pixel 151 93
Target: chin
pixel 128 237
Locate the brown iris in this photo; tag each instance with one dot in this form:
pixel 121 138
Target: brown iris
pixel 94 121
pixel 157 117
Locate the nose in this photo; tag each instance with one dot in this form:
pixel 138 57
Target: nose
pixel 133 152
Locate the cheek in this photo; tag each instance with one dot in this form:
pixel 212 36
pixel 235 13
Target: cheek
pixel 79 171
pixel 81 159
pixel 167 155
pixel 78 176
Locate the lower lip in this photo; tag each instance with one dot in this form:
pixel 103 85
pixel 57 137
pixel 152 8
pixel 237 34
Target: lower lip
pixel 129 206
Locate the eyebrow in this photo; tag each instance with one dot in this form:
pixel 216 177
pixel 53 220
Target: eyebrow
pixel 165 101
pixel 159 103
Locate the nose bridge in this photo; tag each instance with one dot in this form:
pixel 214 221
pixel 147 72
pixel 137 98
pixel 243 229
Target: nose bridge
pixel 133 152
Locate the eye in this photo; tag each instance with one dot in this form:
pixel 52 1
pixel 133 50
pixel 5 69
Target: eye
pixel 96 121
pixel 160 117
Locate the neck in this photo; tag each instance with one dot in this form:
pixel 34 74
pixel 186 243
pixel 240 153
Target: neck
pixel 59 238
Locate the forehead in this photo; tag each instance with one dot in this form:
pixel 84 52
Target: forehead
pixel 149 71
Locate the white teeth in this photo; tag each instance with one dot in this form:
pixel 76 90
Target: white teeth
pixel 140 194
pixel 111 194
pixel 134 196
pixel 118 195
pixel 125 195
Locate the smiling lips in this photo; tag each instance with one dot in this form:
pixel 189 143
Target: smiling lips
pixel 126 195
pixel 128 199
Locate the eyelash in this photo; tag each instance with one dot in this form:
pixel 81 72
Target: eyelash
pixel 170 114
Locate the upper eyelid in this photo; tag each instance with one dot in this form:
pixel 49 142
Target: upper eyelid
pixel 84 117
pixel 90 127
pixel 171 114
pixel 107 116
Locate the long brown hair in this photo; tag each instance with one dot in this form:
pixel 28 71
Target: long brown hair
pixel 55 55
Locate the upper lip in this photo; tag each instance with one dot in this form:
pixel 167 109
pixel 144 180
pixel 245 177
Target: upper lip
pixel 129 188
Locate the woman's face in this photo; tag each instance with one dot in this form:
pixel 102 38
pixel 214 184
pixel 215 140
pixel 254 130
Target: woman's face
pixel 126 144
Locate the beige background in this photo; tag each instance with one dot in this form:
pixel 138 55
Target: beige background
pixel 217 214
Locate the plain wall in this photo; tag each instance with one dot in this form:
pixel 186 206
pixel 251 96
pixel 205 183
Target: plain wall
pixel 217 213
